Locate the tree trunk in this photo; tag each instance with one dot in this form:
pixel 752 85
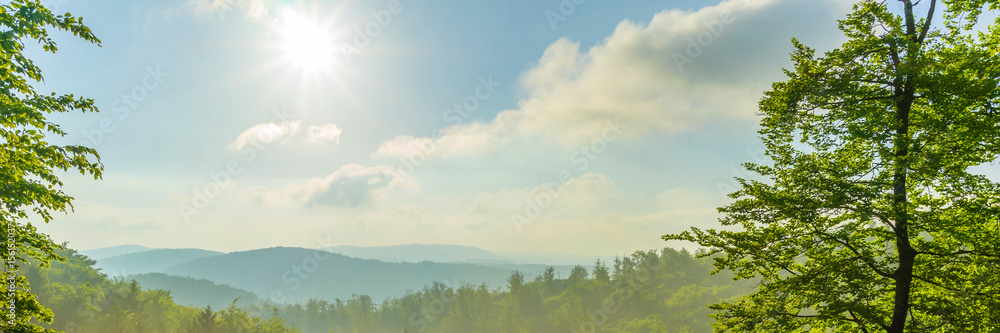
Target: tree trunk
pixel 904 273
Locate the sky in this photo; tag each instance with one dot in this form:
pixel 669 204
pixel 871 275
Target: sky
pixel 567 126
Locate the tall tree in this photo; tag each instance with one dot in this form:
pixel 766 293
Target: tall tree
pixel 28 164
pixel 601 272
pixel 870 215
pixel 124 307
pixel 577 275
pixel 206 321
pixel 513 316
pixel 362 311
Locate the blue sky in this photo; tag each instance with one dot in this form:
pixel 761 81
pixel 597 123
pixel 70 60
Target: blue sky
pixel 588 128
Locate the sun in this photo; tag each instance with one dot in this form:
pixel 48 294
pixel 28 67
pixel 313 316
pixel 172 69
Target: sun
pixel 305 44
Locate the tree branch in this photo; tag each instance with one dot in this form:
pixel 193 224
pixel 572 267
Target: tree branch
pixel 857 255
pixel 958 291
pixel 911 28
pixel 977 253
pixel 858 322
pixel 927 24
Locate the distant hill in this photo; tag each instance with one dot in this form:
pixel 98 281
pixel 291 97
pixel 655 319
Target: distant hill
pixel 525 262
pixel 195 292
pixel 299 274
pixel 540 258
pixel 112 251
pixel 419 252
pixel 353 270
pixel 151 261
pixel 562 271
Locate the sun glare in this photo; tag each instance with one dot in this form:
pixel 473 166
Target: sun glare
pixel 305 44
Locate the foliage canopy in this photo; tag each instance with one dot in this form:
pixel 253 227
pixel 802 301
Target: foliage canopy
pixel 870 216
pixel 28 164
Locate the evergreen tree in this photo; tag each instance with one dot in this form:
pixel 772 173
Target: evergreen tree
pixel 205 322
pixel 601 272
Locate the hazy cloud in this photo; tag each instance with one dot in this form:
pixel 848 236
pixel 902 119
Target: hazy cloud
pixel 320 134
pixel 677 73
pixel 350 186
pixel 250 8
pixel 264 134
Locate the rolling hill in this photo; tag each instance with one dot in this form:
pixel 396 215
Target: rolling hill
pixel 419 252
pixel 541 258
pixel 297 274
pixel 151 261
pixel 111 251
pixel 195 292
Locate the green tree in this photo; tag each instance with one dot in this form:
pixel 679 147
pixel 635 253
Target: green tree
pixel 206 321
pixel 513 309
pixel 868 216
pixel 569 313
pixel 28 164
pixel 577 275
pixel 548 275
pixel 124 308
pixel 362 311
pixel 601 272
pixel 234 319
pixel 274 324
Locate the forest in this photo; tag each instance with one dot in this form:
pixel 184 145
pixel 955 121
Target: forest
pixel 84 299
pixel 653 291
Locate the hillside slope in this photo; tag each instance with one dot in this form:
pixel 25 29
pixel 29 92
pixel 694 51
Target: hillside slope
pixel 195 292
pixel 418 253
pixel 152 261
pixel 297 274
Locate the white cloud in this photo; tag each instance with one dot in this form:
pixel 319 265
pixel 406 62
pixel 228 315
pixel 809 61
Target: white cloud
pixel 252 9
pixel 404 145
pixel 264 134
pixel 320 134
pixel 469 140
pixel 640 75
pixel 352 185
